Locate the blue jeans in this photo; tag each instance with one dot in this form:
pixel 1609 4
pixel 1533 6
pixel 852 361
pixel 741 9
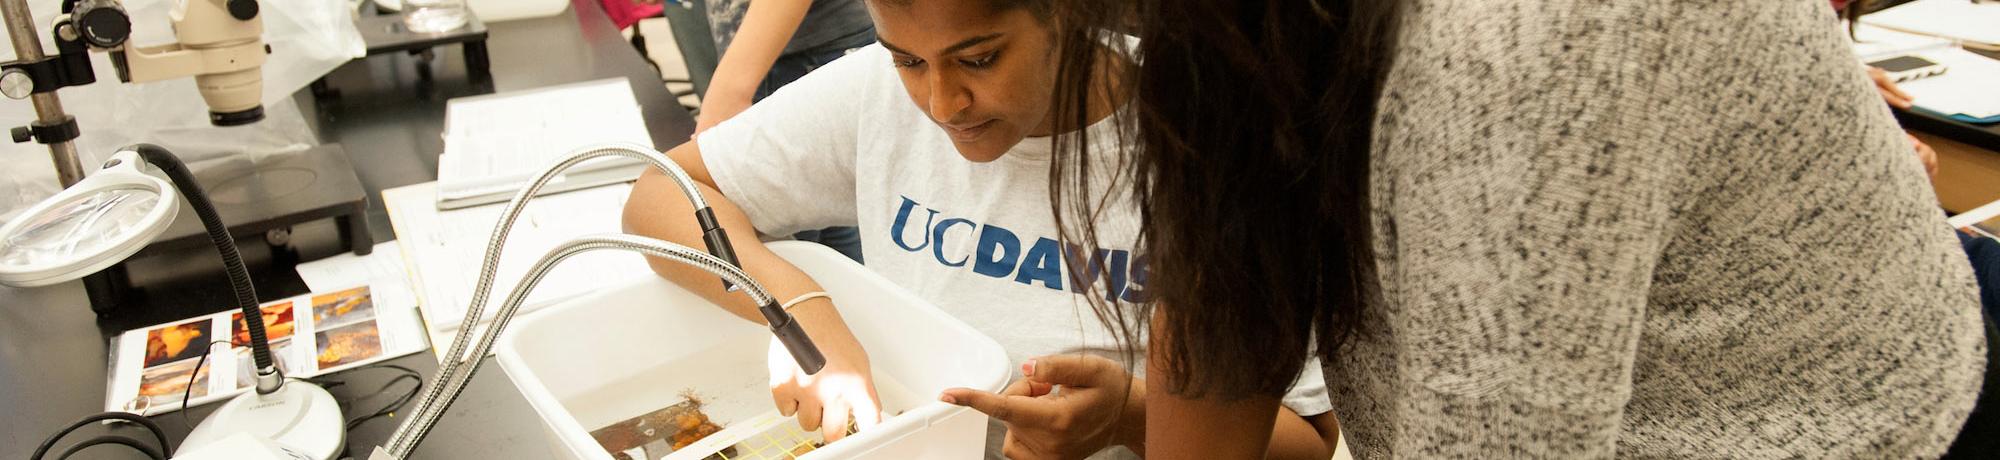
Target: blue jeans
pixel 847 240
pixel 784 71
pixel 1980 438
pixel 790 67
pixel 1984 253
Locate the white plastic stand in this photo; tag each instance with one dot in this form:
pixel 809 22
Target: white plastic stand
pixel 300 418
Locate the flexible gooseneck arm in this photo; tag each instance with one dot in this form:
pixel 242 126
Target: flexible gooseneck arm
pixel 414 431
pixel 455 364
pixel 269 379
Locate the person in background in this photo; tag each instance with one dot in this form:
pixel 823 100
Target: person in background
pixel 767 44
pixel 628 13
pixel 1984 254
pixel 1562 229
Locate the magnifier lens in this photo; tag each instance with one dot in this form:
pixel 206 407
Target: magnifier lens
pixel 83 227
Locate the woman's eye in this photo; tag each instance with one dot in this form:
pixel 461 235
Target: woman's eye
pixel 981 62
pixel 908 62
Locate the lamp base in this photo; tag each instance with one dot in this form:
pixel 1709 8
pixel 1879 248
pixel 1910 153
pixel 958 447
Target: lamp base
pixel 301 418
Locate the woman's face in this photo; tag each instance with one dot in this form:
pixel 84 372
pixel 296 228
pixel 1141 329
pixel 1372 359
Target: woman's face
pixel 983 76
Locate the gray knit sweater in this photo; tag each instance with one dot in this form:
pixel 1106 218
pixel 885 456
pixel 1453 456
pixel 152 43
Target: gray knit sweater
pixel 1644 228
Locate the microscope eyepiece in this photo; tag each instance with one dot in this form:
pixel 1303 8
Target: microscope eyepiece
pixel 242 10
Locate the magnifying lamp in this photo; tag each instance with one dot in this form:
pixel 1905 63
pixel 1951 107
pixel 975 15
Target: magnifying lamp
pixel 109 216
pixel 87 227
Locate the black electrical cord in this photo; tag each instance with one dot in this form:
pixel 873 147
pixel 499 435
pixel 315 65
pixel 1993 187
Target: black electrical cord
pixel 150 451
pixel 158 434
pixel 189 391
pixel 386 410
pixel 405 374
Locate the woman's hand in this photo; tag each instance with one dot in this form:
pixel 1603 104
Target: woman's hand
pixel 1890 93
pixel 1925 155
pixel 1065 406
pixel 843 390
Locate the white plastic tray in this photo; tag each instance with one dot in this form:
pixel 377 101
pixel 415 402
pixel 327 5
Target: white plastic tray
pixel 632 349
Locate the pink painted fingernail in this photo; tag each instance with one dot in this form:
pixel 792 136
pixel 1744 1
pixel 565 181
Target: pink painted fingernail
pixel 947 399
pixel 1028 368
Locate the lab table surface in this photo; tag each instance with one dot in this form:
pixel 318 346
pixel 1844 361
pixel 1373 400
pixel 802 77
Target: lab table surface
pixel 387 114
pixel 52 372
pixel 1984 136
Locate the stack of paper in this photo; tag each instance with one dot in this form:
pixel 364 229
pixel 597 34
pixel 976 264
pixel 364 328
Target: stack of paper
pixel 1975 216
pixel 383 269
pixel 445 249
pixel 1966 91
pixel 493 144
pixel 1872 42
pixel 152 368
pixel 1960 20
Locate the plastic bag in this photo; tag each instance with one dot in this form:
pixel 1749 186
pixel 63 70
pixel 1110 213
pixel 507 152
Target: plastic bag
pixel 308 38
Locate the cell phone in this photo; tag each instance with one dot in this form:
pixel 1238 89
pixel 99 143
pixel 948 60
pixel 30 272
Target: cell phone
pixel 1908 67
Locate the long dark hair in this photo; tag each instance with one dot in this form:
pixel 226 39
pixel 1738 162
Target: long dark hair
pixel 1248 150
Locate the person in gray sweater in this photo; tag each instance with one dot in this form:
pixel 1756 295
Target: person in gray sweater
pixel 1694 230
pixel 1564 228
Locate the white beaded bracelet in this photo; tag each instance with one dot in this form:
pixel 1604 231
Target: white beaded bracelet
pixel 802 298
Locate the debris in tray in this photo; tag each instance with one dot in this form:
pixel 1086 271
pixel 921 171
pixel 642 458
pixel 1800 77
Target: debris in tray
pixel 654 435
pixel 693 424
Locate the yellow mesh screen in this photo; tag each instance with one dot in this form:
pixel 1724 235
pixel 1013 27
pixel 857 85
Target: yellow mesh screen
pixel 781 442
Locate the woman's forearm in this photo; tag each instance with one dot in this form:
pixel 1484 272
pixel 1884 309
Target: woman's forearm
pixel 1179 427
pixel 766 28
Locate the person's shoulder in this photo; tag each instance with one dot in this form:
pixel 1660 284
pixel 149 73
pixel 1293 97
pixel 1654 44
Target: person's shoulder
pixel 867 66
pixel 863 74
pixel 873 56
pixel 863 80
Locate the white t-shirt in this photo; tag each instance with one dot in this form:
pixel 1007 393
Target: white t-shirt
pixel 845 146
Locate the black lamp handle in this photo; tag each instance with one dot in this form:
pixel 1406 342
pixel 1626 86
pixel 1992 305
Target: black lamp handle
pixel 794 338
pixel 716 240
pixel 782 325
